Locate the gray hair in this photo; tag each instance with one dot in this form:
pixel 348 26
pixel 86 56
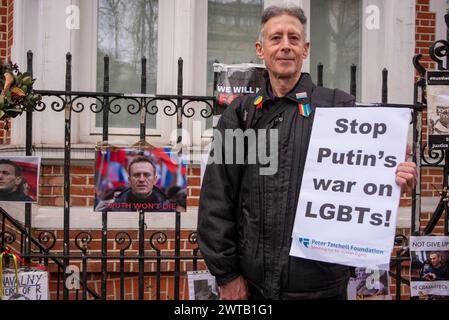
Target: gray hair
pixel 275 11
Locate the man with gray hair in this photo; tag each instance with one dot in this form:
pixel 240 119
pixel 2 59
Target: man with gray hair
pixel 246 219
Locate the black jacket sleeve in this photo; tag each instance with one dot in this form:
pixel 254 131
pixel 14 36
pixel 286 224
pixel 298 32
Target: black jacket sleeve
pixel 217 213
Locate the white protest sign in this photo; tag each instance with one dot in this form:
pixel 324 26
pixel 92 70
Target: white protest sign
pixel 429 243
pixel 33 284
pixel 348 201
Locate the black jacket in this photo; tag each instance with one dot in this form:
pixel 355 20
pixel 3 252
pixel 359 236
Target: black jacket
pixel 157 199
pixel 17 195
pixel 246 219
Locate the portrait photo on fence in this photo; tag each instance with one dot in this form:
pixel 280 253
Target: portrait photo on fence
pixel 132 179
pixel 202 285
pixel 19 179
pixel 429 271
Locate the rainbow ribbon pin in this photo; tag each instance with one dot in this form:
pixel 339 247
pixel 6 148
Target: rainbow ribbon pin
pixel 304 109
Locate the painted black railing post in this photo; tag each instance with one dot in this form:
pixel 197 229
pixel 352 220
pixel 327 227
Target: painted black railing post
pixel 141 211
pixel 143 89
pixel 28 152
pixel 320 69
pixel 214 88
pixel 106 99
pixel 67 145
pixel 104 213
pixel 384 86
pixel 416 149
pixel 398 275
pixel 178 215
pixel 141 252
pixel 446 190
pixel 353 84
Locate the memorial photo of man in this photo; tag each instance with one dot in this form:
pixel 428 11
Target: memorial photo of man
pixel 142 190
pixel 436 268
pixel 12 182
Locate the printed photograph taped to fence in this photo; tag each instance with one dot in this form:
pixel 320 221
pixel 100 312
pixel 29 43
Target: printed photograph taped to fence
pixel 202 285
pixel 429 265
pixel 19 179
pixel 130 179
pixel 371 283
pixel 205 290
pixel 439 122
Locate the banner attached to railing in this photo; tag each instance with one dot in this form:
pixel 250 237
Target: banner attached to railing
pixel 438 109
pixel 348 201
pixel 235 80
pixel 429 271
pixel 132 179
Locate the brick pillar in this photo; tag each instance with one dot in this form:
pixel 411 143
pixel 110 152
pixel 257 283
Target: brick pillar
pixel 6 38
pixel 425 31
pixel 425 37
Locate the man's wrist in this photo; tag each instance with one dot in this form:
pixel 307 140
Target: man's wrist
pixel 225 279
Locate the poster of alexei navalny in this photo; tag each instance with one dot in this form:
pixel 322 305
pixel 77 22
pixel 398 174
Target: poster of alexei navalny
pixel 235 80
pixel 19 179
pixel 429 272
pixel 130 179
pixel 438 109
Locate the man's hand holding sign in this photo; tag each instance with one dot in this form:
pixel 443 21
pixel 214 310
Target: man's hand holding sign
pixel 351 187
pixel 406 174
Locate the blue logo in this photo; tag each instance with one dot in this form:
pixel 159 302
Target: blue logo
pixel 305 242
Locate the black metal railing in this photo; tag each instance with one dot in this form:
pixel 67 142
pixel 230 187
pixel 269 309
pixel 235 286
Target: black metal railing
pixel 105 103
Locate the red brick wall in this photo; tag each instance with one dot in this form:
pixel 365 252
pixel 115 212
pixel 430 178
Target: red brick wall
pixel 6 38
pixel 425 36
pixel 425 31
pixel 131 286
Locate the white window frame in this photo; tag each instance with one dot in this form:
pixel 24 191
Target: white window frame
pixel 160 134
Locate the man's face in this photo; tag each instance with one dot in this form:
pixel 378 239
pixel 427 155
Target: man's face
pixel 8 180
pixel 142 178
pixel 435 260
pixel 284 47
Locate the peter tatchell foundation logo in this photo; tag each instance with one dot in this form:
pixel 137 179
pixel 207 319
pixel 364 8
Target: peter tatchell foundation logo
pixel 305 242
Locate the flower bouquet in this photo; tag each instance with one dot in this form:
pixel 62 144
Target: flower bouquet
pixel 17 94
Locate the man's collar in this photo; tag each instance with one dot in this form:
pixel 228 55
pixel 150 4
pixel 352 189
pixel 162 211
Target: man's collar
pixel 300 93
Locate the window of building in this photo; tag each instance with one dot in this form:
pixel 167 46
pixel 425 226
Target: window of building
pixel 232 31
pixel 335 38
pixel 127 31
